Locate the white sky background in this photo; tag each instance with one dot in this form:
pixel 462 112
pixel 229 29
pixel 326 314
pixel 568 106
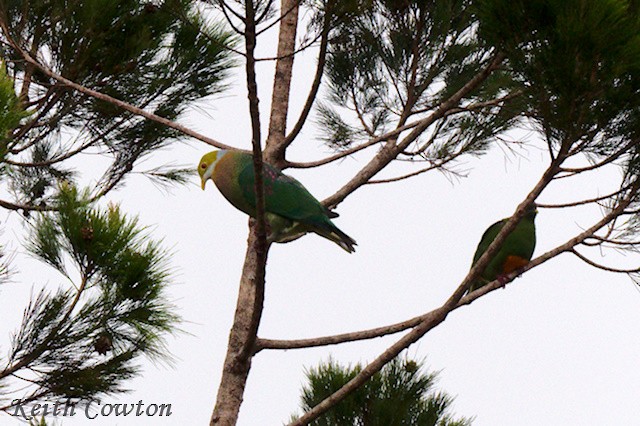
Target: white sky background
pixel 558 346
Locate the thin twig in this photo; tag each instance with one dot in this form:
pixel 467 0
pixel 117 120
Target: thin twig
pixel 599 266
pixel 582 202
pixel 608 160
pixel 42 347
pixel 277 20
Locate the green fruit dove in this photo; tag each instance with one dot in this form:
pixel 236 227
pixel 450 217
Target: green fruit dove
pixel 515 253
pixel 290 210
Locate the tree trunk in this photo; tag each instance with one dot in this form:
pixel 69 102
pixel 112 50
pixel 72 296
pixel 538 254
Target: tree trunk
pixel 275 147
pixel 243 334
pixel 241 338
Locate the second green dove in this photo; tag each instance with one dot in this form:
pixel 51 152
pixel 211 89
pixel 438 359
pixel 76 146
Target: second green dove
pixel 290 210
pixel 516 251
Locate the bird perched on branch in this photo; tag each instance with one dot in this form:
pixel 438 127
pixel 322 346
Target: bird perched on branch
pixel 515 253
pixel 290 210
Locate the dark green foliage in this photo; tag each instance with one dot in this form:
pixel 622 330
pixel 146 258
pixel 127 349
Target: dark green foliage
pixel 167 176
pixel 160 56
pixel 400 394
pixel 338 133
pixel 577 61
pixel 392 61
pixel 11 112
pixel 84 342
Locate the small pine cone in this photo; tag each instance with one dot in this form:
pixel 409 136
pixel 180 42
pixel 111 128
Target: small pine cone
pixel 87 233
pixel 103 344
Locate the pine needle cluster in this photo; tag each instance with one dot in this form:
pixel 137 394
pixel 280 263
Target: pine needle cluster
pixel 82 341
pixel 402 393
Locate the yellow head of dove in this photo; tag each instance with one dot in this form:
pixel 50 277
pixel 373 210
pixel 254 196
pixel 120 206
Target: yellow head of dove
pixel 207 164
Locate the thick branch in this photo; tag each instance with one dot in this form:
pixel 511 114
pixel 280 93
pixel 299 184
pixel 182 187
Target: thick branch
pixel 475 271
pixel 236 367
pixel 434 318
pixel 438 315
pixel 313 92
pixel 466 300
pixel 274 150
pixel 243 334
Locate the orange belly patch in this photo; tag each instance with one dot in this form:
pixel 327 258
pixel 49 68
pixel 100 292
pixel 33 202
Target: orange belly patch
pixel 513 263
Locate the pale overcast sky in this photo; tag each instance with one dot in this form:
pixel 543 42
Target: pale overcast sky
pixel 559 346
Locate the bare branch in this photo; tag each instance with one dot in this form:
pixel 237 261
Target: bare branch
pixel 391 134
pixel 345 153
pixel 474 272
pixel 604 268
pixel 434 318
pixel 434 165
pixel 224 6
pixel 263 15
pixel 568 246
pixel 243 335
pixel 582 202
pixel 286 10
pixel 605 240
pixel 24 207
pixel 299 49
pixel 260 226
pixel 608 160
pixel 402 177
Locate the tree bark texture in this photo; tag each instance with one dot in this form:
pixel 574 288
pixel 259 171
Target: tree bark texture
pixel 275 146
pixel 237 364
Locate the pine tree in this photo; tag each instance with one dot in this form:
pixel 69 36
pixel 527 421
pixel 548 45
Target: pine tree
pixel 402 393
pixel 85 338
